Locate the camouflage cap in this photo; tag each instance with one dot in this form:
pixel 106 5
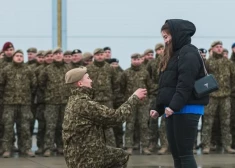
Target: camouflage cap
pixel 98 50
pixel 216 43
pixel 47 52
pixel 40 53
pixel 158 46
pixel 75 75
pixel 32 49
pixel 18 51
pixel 87 56
pixel 136 55
pixel 225 50
pixel 57 50
pixel 68 52
pixel 148 51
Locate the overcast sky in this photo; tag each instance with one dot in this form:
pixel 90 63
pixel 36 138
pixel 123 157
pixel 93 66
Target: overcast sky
pixel 127 26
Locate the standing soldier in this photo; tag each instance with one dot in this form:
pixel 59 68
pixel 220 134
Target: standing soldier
pixel 32 52
pixel 220 67
pixel 131 79
pixel 67 57
pixel 17 83
pixel 114 62
pixel 203 53
pixel 148 55
pixel 105 86
pixel 107 53
pixel 76 59
pixel 233 97
pixel 87 58
pixel 225 53
pixel 51 80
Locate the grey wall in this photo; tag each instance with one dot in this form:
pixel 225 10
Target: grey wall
pixel 127 26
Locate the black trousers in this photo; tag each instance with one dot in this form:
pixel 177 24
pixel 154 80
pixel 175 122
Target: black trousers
pixel 181 134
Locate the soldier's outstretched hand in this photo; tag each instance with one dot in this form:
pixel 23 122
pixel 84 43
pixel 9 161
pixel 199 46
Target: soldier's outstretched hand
pixel 141 93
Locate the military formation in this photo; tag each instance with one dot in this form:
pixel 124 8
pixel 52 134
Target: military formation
pixel 36 90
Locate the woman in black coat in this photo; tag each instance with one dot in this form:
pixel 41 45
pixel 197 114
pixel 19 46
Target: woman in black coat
pixel 180 67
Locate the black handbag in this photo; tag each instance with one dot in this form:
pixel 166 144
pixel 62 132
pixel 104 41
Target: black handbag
pixel 205 85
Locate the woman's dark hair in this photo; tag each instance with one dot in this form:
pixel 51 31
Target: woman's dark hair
pixel 168 51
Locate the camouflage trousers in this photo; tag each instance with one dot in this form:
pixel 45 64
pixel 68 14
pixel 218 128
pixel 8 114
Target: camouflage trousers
pixel 34 111
pixel 109 132
pixel 162 133
pixel 54 115
pixel 224 107
pixel 233 121
pixel 142 113
pixel 22 116
pixel 216 130
pixel 153 131
pixel 1 125
pixel 41 125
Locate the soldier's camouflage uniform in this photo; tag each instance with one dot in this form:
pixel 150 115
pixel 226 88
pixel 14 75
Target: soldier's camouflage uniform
pixel 51 80
pixel 105 85
pixel 76 65
pixel 83 133
pixel 131 79
pixel 17 83
pixel 220 67
pixel 233 101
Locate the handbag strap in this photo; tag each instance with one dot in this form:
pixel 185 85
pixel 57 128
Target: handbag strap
pixel 203 64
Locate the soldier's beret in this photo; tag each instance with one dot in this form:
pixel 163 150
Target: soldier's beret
pixel 202 50
pixel 148 51
pixel 75 75
pixel 57 50
pixel 6 46
pixel 40 53
pixel 112 60
pixel 233 45
pixel 216 43
pixel 87 56
pixel 225 50
pixel 158 46
pixel 32 49
pixel 18 51
pixel 98 50
pixel 107 48
pixel 68 52
pixel 47 52
pixel 136 55
pixel 76 51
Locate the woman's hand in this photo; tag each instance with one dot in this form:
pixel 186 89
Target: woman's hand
pixel 168 112
pixel 154 114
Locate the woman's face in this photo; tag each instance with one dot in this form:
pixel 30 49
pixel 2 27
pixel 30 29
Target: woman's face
pixel 166 36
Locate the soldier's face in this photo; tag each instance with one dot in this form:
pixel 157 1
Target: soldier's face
pixel 9 52
pixel 58 56
pixel 31 56
pixel 149 56
pixel 49 58
pixel 114 64
pixel 99 57
pixel 167 37
pixel 85 81
pixel 67 59
pixel 136 61
pixel 18 58
pixel 88 62
pixel 160 51
pixel 203 55
pixel 107 54
pixel 40 60
pixel 218 49
pixel 76 57
pixel 225 54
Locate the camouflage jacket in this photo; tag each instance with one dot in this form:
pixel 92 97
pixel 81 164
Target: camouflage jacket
pixel 221 69
pixel 104 81
pixel 134 78
pixel 4 62
pixel 51 80
pixel 83 125
pixel 152 68
pixel 76 65
pixel 17 84
pixel 233 75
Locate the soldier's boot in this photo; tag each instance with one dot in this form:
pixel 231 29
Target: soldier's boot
pixel 152 146
pixel 229 150
pixel 146 151
pixel 29 153
pixel 162 151
pixel 47 153
pixel 233 145
pixel 213 147
pixel 136 146
pixel 39 151
pixel 15 149
pixel 1 151
pixel 60 151
pixel 6 154
pixel 206 151
pixel 129 151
